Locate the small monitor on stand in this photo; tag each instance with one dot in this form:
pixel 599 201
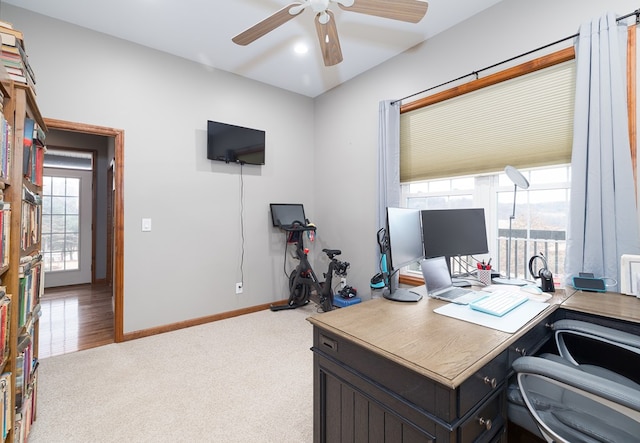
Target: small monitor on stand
pixel 284 214
pixel 404 247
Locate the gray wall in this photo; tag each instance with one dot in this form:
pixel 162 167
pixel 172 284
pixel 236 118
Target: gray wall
pixel 346 120
pixel 187 266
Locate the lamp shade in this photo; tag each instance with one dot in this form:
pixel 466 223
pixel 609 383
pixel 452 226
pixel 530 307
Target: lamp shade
pixel 516 177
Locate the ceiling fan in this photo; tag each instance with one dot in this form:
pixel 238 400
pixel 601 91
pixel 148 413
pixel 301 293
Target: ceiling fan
pixel 404 10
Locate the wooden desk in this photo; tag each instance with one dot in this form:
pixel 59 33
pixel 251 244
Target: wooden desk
pixel 611 305
pixel 389 371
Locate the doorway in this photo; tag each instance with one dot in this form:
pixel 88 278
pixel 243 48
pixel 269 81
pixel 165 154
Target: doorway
pixel 106 282
pixel 68 225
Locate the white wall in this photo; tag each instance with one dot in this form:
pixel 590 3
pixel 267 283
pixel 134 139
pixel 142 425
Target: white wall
pixel 187 266
pixel 346 121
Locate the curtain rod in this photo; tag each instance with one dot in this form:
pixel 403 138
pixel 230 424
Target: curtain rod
pixel 475 73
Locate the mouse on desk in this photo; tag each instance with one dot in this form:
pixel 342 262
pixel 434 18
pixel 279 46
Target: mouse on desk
pixel 535 293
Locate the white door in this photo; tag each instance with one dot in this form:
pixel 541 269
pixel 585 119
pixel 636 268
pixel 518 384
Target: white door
pixel 66 226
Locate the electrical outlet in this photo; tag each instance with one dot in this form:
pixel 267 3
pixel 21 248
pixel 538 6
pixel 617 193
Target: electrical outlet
pixel 239 288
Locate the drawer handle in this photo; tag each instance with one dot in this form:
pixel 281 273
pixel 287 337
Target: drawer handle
pixel 521 351
pixel 329 343
pixel 485 423
pixel 490 381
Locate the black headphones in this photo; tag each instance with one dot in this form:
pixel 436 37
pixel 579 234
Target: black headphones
pixel 544 274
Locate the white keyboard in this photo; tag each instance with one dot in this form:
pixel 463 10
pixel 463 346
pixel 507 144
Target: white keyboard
pixel 498 302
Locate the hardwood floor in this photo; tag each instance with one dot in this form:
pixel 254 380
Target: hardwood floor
pixel 75 318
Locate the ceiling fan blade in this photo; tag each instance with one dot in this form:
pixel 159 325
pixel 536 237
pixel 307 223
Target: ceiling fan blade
pixel 267 25
pixel 328 38
pixel 404 10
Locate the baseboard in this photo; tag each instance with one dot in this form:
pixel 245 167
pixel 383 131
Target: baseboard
pixel 194 322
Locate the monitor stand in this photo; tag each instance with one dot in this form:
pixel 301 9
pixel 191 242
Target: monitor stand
pixel 460 282
pixel 401 294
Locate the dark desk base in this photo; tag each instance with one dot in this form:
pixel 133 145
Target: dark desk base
pixel 360 396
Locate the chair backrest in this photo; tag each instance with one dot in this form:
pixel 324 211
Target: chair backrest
pixel 563 328
pixel 570 405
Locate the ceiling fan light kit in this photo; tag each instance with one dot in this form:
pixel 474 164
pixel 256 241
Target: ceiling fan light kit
pixel 411 11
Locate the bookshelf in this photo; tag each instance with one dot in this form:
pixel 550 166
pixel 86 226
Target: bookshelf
pixel 22 133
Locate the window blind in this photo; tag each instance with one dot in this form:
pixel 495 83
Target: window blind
pixel 526 121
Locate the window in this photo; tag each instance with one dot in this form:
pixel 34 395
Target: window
pixel 61 223
pixel 540 219
pixel 522 117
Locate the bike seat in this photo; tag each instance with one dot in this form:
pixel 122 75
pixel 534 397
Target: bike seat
pixel 332 252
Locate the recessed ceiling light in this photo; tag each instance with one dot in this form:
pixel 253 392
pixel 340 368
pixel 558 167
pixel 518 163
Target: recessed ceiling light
pixel 301 48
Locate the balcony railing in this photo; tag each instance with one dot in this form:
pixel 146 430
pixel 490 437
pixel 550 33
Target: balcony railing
pixel 552 244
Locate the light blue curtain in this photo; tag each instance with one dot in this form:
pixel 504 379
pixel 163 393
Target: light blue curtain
pixel 603 222
pixel 388 158
pixel 388 164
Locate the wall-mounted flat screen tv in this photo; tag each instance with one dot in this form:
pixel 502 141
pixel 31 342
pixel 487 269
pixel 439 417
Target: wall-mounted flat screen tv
pixel 235 144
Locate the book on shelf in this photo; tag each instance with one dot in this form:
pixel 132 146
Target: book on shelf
pixel 14 57
pixel 27 144
pixel 39 136
pixel 26 366
pixel 29 261
pixel 11 35
pixel 10 50
pixel 29 291
pixel 5 403
pixel 5 317
pixel 5 230
pixel 25 61
pixel 33 154
pixel 26 414
pixel 15 71
pixel 5 147
pixel 30 226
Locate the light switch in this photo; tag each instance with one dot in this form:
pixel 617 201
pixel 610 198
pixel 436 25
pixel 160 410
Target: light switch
pixel 146 224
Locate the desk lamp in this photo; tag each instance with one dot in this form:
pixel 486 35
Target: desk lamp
pixel 518 180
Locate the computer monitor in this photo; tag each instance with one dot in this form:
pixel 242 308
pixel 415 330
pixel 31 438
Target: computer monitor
pixel 404 247
pixel 284 214
pixel 454 232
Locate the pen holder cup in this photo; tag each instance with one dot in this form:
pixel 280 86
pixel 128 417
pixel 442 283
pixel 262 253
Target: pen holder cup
pixel 484 275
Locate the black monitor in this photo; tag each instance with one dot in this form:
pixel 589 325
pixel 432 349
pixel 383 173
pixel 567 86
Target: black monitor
pixel 284 214
pixel 404 247
pixel 454 232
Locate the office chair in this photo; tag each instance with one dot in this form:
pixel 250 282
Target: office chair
pixel 591 335
pixel 561 398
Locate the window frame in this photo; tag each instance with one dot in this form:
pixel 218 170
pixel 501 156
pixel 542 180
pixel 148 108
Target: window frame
pixel 533 65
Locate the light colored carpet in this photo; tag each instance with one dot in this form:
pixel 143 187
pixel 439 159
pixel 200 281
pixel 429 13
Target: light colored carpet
pixel 245 379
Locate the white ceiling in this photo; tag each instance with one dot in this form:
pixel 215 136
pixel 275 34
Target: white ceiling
pixel 201 30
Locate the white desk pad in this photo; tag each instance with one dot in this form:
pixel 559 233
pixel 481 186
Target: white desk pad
pixel 510 322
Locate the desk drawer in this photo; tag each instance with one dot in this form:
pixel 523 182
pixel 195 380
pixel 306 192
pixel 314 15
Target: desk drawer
pixel 486 380
pixel 486 423
pixel 406 384
pixel 531 342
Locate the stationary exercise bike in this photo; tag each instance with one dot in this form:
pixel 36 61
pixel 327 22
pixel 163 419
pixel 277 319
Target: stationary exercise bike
pixel 303 280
